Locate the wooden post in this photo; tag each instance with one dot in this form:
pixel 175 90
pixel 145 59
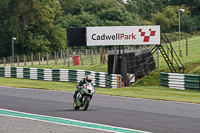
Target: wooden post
pixel 88 55
pixel 32 59
pixel 24 59
pixel 96 52
pixel 81 57
pixel 39 58
pixel 186 47
pixel 4 61
pixel 91 53
pixel 28 59
pixel 11 61
pixel 101 55
pixel 104 57
pixel 63 52
pixel 47 58
pixel 18 60
pixel 55 57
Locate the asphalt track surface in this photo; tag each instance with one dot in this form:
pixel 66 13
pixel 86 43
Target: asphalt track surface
pixel 140 114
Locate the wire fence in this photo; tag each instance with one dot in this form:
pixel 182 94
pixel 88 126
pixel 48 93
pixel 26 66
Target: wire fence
pixel 98 55
pixel 66 57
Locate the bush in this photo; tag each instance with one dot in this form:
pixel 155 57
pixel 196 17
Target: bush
pixel 175 36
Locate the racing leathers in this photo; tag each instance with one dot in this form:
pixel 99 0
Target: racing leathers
pixel 79 86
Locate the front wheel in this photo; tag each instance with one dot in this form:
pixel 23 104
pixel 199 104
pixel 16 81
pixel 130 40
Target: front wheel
pixel 75 106
pixel 86 103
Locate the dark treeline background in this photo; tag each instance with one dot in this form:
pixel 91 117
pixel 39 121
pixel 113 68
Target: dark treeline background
pixel 40 25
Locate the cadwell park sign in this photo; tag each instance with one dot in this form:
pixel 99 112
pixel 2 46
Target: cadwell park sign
pixel 113 35
pixel 123 35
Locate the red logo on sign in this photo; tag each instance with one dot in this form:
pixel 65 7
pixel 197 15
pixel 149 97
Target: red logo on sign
pixel 146 38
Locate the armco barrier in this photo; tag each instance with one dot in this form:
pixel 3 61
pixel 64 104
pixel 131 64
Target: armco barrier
pixel 100 79
pixel 180 81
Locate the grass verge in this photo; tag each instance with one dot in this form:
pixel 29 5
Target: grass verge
pixel 148 92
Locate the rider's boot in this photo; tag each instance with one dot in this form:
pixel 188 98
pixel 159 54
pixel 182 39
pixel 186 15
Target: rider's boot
pixel 74 96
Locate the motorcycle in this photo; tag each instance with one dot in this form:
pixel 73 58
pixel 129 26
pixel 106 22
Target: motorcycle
pixel 84 97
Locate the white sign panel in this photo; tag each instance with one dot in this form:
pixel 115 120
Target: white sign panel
pixel 123 35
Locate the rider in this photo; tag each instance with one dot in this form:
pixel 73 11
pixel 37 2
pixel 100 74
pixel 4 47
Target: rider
pixel 88 79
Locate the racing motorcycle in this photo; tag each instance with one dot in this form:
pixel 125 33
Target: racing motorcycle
pixel 84 97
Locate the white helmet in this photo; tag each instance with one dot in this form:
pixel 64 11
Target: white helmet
pixel 88 78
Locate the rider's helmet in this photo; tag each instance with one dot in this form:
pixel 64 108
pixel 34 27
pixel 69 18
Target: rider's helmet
pixel 88 78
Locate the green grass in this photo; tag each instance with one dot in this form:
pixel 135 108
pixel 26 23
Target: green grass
pixel 149 92
pixel 191 62
pixel 153 78
pixel 196 70
pixel 37 84
pixel 193 52
pixel 87 65
pixel 95 67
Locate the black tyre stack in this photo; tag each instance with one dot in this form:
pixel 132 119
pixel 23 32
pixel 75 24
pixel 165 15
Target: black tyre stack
pixel 130 62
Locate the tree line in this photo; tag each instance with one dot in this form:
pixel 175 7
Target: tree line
pixel 40 25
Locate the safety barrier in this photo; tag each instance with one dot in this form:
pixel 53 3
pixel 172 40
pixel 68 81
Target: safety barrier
pixel 100 79
pixel 180 81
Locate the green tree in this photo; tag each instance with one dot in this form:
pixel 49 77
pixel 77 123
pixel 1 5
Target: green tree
pixel 5 35
pixel 194 5
pixel 98 13
pixel 189 24
pixel 144 8
pixel 168 18
pixel 32 22
pixel 81 20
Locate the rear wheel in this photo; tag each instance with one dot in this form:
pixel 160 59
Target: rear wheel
pixel 75 106
pixel 86 103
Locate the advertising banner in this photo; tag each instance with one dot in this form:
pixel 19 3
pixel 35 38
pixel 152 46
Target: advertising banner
pixel 123 35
